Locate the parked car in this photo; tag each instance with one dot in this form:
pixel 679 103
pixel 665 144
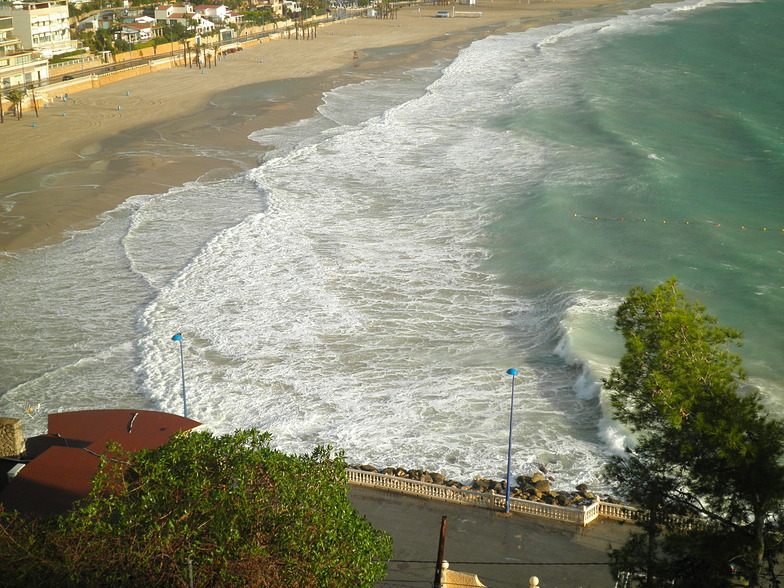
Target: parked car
pixel 66 78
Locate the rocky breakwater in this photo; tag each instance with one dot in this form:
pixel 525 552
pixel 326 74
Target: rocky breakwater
pixel 536 488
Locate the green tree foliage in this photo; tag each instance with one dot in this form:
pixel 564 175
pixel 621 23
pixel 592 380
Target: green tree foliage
pixel 705 447
pixel 242 513
pixel 176 32
pixel 16 97
pixel 122 46
pixel 97 41
pixel 258 17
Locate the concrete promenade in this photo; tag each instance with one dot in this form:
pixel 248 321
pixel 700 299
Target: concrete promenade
pixel 512 548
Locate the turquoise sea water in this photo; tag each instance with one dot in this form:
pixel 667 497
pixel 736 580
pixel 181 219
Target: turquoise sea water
pixel 369 284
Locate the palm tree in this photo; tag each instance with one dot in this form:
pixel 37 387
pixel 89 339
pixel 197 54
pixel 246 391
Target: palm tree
pixel 16 96
pixel 35 102
pixel 198 54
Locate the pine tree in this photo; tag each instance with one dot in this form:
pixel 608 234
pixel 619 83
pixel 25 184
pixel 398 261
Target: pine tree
pixel 704 447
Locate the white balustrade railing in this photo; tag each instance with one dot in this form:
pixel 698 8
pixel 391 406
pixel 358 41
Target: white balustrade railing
pixel 618 512
pixel 579 515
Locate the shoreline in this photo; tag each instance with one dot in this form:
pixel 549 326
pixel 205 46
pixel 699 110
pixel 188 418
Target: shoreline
pixel 92 152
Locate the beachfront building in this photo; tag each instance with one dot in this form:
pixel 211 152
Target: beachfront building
pixel 137 32
pixel 291 7
pixel 218 13
pixel 148 20
pixel 18 66
pixel 186 15
pixel 41 26
pixel 276 6
pixel 103 21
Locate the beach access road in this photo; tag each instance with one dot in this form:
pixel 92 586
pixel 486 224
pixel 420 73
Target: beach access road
pixel 508 550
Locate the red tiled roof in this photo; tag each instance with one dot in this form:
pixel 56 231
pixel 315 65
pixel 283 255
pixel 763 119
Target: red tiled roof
pixel 62 474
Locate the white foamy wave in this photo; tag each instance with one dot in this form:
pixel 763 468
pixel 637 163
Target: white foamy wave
pixel 616 437
pixel 589 342
pixel 295 135
pixel 586 338
pixel 356 313
pixel 584 34
pixel 354 104
pixel 91 381
pixel 64 305
pixel 556 34
pixel 697 4
pixel 179 223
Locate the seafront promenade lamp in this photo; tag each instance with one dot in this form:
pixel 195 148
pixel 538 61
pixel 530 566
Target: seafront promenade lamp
pixel 512 372
pixel 178 338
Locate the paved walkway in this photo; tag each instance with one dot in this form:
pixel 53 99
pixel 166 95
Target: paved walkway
pixel 514 548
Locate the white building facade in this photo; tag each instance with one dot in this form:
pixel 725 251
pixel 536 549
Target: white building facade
pixel 17 66
pixel 185 15
pixel 218 13
pixel 41 26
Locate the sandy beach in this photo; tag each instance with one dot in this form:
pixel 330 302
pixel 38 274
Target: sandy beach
pixel 86 155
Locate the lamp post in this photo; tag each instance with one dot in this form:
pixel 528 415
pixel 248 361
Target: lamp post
pixel 512 372
pixel 178 338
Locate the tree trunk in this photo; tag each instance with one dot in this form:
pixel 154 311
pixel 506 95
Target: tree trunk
pixel 649 564
pixel 758 547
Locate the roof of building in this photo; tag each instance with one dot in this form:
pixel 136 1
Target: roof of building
pixel 139 26
pixel 64 461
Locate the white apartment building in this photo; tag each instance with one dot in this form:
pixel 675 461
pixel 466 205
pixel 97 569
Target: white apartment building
pixel 185 15
pixel 218 13
pixel 17 66
pixel 41 26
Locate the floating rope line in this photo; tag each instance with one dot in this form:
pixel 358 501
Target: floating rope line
pixel 664 222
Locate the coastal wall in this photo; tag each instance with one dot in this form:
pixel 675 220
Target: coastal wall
pixel 129 72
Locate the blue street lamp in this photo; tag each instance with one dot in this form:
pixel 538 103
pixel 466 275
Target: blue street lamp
pixel 178 338
pixel 512 372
